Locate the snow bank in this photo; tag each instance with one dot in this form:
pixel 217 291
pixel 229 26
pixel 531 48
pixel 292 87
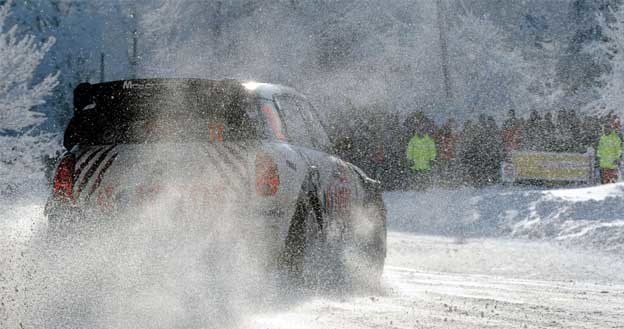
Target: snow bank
pixel 590 216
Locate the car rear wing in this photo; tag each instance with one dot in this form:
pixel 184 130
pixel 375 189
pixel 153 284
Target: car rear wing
pixel 110 95
pixel 115 105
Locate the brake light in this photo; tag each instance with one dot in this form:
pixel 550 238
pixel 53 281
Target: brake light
pixel 64 181
pixel 267 176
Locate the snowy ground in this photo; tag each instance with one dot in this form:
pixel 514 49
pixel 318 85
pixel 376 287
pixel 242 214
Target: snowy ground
pixel 485 281
pixel 591 216
pixel 432 282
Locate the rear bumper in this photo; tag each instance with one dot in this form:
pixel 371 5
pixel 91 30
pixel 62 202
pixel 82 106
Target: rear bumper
pixel 266 217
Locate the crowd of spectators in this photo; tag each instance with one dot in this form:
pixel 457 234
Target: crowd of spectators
pixel 382 143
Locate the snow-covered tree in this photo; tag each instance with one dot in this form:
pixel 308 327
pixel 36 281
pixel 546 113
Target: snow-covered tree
pixel 489 75
pixel 20 149
pixel 612 98
pixel 84 31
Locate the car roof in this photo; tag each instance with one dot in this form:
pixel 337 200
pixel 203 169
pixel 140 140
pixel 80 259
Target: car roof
pixel 268 90
pixel 258 89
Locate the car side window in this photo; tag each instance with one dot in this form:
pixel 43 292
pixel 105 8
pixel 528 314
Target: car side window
pixel 300 116
pixel 296 127
pixel 272 123
pixel 318 133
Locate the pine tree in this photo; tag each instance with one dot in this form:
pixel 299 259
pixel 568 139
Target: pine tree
pixel 585 58
pixel 612 98
pixel 20 149
pixel 489 75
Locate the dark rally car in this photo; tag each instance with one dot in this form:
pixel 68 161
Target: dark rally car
pixel 259 147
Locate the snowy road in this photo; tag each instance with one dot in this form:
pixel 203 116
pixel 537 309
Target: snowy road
pixel 432 282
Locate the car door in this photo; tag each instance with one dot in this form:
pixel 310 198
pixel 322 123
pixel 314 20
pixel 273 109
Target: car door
pixel 291 167
pixel 339 186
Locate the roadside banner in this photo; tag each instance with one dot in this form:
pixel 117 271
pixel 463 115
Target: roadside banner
pixel 549 166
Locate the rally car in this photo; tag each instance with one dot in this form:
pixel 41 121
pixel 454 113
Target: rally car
pixel 261 147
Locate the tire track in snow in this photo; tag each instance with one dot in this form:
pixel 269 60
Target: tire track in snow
pixel 425 297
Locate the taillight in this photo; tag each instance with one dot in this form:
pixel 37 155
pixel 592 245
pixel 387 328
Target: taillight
pixel 64 181
pixel 267 176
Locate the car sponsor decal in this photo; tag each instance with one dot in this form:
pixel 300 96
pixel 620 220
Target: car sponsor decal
pixel 92 168
pixel 338 194
pixel 85 159
pixel 129 84
pixel 100 175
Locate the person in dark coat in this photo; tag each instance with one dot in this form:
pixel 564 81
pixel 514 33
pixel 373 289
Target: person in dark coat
pixel 568 132
pixel 492 149
pixel 532 133
pixel 475 155
pixel 548 133
pixel 467 152
pixel 512 133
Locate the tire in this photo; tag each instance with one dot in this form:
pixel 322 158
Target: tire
pixel 304 244
pixel 369 251
pixel 311 260
pixel 378 249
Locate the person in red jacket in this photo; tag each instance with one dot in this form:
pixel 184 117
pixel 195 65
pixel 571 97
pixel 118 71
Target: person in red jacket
pixel 447 139
pixel 512 134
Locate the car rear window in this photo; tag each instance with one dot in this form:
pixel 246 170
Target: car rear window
pixel 165 113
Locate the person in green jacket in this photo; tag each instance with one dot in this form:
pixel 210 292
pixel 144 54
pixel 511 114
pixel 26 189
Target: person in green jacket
pixel 421 151
pixel 609 153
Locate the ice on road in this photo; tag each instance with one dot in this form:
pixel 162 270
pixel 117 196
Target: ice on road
pixel 433 282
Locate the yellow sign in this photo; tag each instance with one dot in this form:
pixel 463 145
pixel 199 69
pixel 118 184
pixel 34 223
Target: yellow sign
pixel 550 166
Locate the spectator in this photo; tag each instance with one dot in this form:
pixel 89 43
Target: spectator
pixel 479 154
pixel 547 133
pixel 491 150
pixel 376 151
pixel 591 130
pixel 609 153
pixel 447 140
pixel 468 153
pixel 532 134
pixel 568 132
pixel 482 151
pixel 575 128
pixel 395 142
pixel 421 152
pixel 512 134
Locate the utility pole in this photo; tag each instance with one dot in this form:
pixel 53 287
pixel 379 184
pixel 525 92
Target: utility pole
pixel 133 57
pixel 442 27
pixel 102 67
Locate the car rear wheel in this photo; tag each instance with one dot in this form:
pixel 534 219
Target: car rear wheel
pixel 365 249
pixel 303 252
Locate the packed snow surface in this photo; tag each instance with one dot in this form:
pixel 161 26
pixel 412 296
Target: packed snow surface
pixel 591 216
pixel 433 282
pixel 476 278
